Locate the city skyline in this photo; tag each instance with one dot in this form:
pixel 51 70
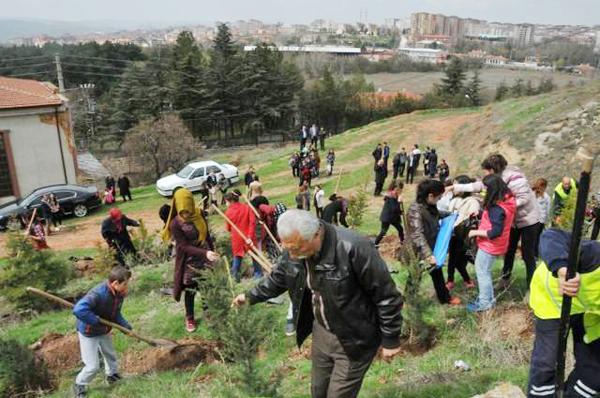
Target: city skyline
pixel 139 12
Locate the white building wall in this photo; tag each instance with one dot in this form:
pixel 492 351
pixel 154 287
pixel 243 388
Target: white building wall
pixel 35 149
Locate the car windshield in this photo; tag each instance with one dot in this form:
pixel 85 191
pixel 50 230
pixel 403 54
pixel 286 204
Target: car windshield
pixel 185 172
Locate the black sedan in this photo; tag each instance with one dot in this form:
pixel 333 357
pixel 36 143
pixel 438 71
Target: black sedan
pixel 73 199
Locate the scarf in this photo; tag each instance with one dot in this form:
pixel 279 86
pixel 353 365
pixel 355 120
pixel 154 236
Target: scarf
pixel 184 200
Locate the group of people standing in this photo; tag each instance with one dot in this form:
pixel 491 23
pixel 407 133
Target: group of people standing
pixel 315 135
pixel 110 190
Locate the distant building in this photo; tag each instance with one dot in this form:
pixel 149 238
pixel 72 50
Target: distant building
pixel 524 35
pixel 597 46
pixel 36 138
pixel 429 55
pixel 335 50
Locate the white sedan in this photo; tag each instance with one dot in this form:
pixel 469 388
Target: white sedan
pixel 193 175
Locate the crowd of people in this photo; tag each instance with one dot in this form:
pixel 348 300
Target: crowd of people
pixel 354 306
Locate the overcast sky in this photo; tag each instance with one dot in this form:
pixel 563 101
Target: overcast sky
pixel 586 12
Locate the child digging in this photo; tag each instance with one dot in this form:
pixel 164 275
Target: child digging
pixel 103 301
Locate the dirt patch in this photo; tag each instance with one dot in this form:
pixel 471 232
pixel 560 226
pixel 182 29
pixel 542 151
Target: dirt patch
pixel 301 353
pixel 84 266
pixel 187 355
pixel 511 322
pixel 390 245
pixel 59 352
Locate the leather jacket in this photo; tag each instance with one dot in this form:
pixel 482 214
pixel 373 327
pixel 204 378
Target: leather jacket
pixel 361 303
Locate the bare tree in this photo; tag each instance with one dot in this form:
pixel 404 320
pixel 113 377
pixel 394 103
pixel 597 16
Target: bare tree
pixel 161 145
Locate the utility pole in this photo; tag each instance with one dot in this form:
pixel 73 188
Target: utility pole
pixel 59 75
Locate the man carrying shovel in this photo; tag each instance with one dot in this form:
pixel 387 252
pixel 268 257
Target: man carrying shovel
pixel 103 301
pixel 342 293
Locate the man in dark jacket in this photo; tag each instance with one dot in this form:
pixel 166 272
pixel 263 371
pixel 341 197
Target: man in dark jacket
pixel 377 154
pixel 380 176
pixel 399 163
pixel 337 206
pixel 114 231
pixel 124 185
pixel 341 292
pixel 386 154
pixel 249 176
pixel 433 162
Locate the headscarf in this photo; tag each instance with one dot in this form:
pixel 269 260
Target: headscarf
pixel 184 200
pixel 117 216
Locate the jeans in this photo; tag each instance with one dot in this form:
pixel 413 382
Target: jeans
pixel 90 346
pixel 236 264
pixel 483 266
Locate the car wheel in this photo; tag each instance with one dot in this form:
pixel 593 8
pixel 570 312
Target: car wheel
pixel 80 211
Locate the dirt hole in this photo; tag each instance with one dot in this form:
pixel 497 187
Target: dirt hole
pixel 61 352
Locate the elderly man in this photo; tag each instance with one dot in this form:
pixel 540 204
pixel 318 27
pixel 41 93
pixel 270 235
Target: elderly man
pixel 562 192
pixel 342 292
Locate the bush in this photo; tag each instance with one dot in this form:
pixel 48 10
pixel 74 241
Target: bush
pixel 150 248
pixel 240 330
pixel 20 373
pixel 29 267
pixel 357 205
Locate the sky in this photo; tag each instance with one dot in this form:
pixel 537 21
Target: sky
pixel 573 12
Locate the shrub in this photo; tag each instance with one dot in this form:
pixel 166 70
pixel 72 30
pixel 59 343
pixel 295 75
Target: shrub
pixel 357 205
pixel 20 373
pixel 29 267
pixel 240 330
pixel 150 248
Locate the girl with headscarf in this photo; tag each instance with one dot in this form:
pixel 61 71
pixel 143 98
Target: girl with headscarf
pixel 194 249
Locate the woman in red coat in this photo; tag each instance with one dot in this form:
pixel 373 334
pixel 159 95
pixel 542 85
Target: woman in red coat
pixel 243 217
pixel 194 249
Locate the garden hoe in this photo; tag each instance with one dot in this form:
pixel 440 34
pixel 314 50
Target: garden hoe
pixel 162 343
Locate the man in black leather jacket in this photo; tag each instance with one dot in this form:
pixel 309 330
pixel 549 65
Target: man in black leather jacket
pixel 341 292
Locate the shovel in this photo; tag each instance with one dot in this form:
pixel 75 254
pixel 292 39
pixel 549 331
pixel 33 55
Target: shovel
pixel 164 343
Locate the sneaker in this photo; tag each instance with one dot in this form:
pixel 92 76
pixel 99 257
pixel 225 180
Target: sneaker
pixel 113 378
pixel 79 391
pixel 454 301
pixel 290 330
pixel 470 285
pixel 449 285
pixel 190 325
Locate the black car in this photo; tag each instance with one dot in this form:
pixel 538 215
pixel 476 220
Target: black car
pixel 73 199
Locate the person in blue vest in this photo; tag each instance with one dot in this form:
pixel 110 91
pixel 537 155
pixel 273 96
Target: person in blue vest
pixel 548 287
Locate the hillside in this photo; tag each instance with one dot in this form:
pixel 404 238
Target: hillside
pixel 540 133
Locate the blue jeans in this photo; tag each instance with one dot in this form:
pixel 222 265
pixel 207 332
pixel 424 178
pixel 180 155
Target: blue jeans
pixel 483 266
pixel 236 264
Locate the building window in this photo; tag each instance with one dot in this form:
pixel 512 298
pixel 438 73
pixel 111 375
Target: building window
pixel 6 183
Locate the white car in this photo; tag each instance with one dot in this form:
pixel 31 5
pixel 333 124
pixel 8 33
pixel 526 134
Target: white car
pixel 193 175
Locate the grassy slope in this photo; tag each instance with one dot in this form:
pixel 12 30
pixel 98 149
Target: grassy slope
pixel 461 138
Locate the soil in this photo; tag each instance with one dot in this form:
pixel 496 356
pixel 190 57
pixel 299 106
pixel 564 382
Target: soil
pixel 61 352
pixel 390 245
pixel 84 267
pixel 86 234
pixel 510 322
pixel 187 355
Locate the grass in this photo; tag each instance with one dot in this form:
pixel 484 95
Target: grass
pixel 408 376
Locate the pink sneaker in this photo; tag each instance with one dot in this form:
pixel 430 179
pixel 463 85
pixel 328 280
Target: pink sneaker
pixel 470 285
pixel 190 325
pixel 449 285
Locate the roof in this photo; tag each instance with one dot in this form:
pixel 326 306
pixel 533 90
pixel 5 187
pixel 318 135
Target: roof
pixel 25 93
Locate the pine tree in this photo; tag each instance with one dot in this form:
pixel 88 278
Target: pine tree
pixel 474 88
pixel 517 89
pixel 502 91
pixel 453 83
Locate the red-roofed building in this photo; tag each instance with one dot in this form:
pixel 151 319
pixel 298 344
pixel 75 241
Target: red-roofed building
pixel 36 138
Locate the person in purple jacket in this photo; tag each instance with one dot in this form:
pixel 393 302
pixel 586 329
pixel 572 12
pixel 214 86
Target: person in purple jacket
pixel 103 301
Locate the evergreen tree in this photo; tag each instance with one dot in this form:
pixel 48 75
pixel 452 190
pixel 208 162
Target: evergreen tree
pixel 502 91
pixel 474 88
pixel 517 89
pixel 453 83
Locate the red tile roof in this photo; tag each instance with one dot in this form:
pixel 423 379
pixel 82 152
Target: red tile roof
pixel 24 93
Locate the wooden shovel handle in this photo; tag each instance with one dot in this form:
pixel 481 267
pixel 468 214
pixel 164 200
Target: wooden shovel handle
pixel 102 321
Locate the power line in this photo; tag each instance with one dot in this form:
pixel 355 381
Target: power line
pixel 101 58
pixel 25 58
pixel 120 68
pixel 25 66
pixel 29 74
pixel 68 72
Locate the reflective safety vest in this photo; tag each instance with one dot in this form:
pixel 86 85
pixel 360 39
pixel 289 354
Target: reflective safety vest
pixel 559 190
pixel 546 302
